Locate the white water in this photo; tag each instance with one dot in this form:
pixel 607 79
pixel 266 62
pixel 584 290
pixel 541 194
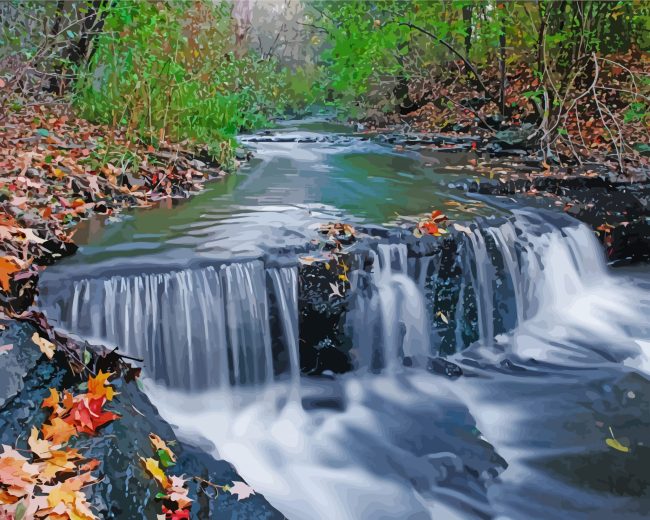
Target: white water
pixel 397 445
pixel 389 319
pixel 194 329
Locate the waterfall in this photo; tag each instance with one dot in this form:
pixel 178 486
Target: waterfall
pixel 285 284
pixel 237 324
pixel 509 270
pixel 193 329
pixel 520 266
pixel 389 319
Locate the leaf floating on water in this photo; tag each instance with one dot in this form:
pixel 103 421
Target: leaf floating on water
pixel 47 347
pixel 613 443
pixel 443 317
pixel 307 260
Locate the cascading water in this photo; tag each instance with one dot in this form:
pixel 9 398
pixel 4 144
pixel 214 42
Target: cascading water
pixel 389 317
pixel 194 329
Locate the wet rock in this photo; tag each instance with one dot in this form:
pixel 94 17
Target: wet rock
pixel 516 137
pixel 323 344
pixel 446 368
pixel 124 489
pixel 630 243
pixel 17 357
pixel 21 294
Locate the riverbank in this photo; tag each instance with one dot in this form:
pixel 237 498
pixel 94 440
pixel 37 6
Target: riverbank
pixel 59 169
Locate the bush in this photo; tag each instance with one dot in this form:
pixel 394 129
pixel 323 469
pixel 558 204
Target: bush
pixel 170 70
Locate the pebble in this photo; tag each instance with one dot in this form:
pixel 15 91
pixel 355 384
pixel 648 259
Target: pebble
pixel 631 394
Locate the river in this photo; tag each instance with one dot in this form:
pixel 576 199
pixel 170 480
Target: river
pixel 208 293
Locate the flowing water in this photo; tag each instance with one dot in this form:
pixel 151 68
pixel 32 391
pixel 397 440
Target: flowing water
pixel 553 344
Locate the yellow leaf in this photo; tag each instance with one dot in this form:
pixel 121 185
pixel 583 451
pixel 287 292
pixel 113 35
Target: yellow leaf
pixel 59 461
pixel 46 346
pixel 155 471
pixel 98 387
pixel 613 443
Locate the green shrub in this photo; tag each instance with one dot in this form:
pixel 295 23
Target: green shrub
pixel 169 70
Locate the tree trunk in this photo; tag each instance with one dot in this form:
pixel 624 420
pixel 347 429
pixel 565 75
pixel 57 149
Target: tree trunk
pixel 502 66
pixel 467 18
pixel 242 17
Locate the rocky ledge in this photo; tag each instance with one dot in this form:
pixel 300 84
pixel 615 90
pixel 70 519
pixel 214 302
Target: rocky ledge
pixel 124 489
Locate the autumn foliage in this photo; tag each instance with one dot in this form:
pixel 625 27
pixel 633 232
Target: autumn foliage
pixel 48 480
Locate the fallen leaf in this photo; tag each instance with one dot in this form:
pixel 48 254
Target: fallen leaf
pixel 151 465
pixel 335 290
pixel 46 346
pixel 52 401
pixel 58 431
pixel 59 461
pixel 16 473
pixel 7 268
pixel 98 386
pixel 40 447
pixel 241 489
pixel 613 443
pixel 161 446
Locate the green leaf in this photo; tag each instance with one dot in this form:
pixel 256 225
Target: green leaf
pixel 163 456
pixel 87 357
pixel 21 509
pixel 43 131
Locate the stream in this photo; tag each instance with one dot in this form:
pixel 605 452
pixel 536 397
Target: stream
pixel 554 345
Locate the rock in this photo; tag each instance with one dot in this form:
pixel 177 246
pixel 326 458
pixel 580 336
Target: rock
pixel 124 489
pixel 446 368
pixel 321 313
pixel 17 361
pixel 516 136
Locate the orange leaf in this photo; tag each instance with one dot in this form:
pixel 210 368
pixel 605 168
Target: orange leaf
pixel 52 401
pixel 97 386
pixel 7 268
pixel 58 431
